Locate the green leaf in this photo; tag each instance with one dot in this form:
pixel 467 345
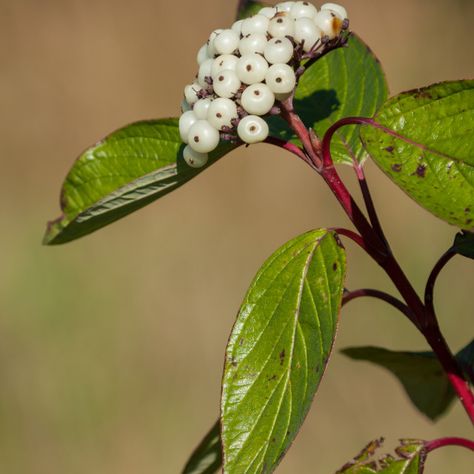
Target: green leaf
pixel 207 457
pixel 129 169
pixel 420 373
pixel 409 458
pixel 427 148
pixel 249 8
pixel 464 244
pixel 278 350
pixel 349 81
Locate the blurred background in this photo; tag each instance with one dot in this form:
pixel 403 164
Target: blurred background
pixel 111 347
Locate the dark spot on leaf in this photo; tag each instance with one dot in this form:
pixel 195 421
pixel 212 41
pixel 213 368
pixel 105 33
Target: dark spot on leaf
pixel 334 266
pixel 241 341
pixel 390 149
pixel 467 210
pixel 273 377
pixel 282 356
pixel 421 171
pixel 421 94
pixel 397 167
pixel 288 433
pixel 469 222
pixel 338 241
pixel 273 440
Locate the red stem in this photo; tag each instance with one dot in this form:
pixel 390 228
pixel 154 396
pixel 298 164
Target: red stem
pixel 429 290
pixel 424 319
pixel 396 303
pixel 442 442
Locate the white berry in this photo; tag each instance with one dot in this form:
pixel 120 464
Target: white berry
pixel 280 78
pixel 226 61
pixel 257 99
pixel 205 71
pixel 191 91
pixel 202 54
pixel 201 107
pixel 253 43
pixel 328 23
pixel 237 27
pixel 221 112
pixel 185 106
pixel 255 24
pixel 281 25
pixel 251 68
pixel 303 10
pixel 186 121
pixel 226 83
pixel 203 137
pixel 269 12
pixel 226 42
pixel 194 158
pixel 307 33
pixel 284 6
pixel 211 50
pixel 252 129
pixel 278 50
pixel 340 11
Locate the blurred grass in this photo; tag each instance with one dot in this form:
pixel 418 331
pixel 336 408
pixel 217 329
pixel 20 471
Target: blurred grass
pixel 111 347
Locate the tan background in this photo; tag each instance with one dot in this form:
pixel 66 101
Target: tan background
pixel 111 347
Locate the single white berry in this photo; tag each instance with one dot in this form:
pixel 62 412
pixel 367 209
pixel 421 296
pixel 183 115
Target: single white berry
pixel 281 25
pixel 191 93
pixel 226 83
pixel 307 33
pixel 201 107
pixel 205 71
pixel 284 6
pixel 252 129
pixel 185 106
pixel 226 61
pixel 340 11
pixel 251 68
pixel 194 158
pixel 255 24
pixel 257 99
pixel 278 50
pixel 303 10
pixel 269 12
pixel 226 42
pixel 237 27
pixel 280 78
pixel 221 112
pixel 203 137
pixel 211 50
pixel 329 23
pixel 186 121
pixel 202 54
pixel 253 43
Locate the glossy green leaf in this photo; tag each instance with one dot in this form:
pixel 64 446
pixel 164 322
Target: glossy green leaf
pixel 249 8
pixel 349 81
pixel 464 244
pixel 427 148
pixel 409 458
pixel 129 169
pixel 278 350
pixel 207 457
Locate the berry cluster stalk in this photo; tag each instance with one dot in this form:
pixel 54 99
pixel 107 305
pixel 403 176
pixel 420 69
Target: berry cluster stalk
pixel 372 240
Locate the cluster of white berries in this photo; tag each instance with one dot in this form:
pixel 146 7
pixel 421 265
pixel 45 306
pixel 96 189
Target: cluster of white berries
pixel 245 70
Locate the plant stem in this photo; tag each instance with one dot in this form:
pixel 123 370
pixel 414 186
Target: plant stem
pixel 440 264
pixel 377 247
pixel 442 442
pixel 396 303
